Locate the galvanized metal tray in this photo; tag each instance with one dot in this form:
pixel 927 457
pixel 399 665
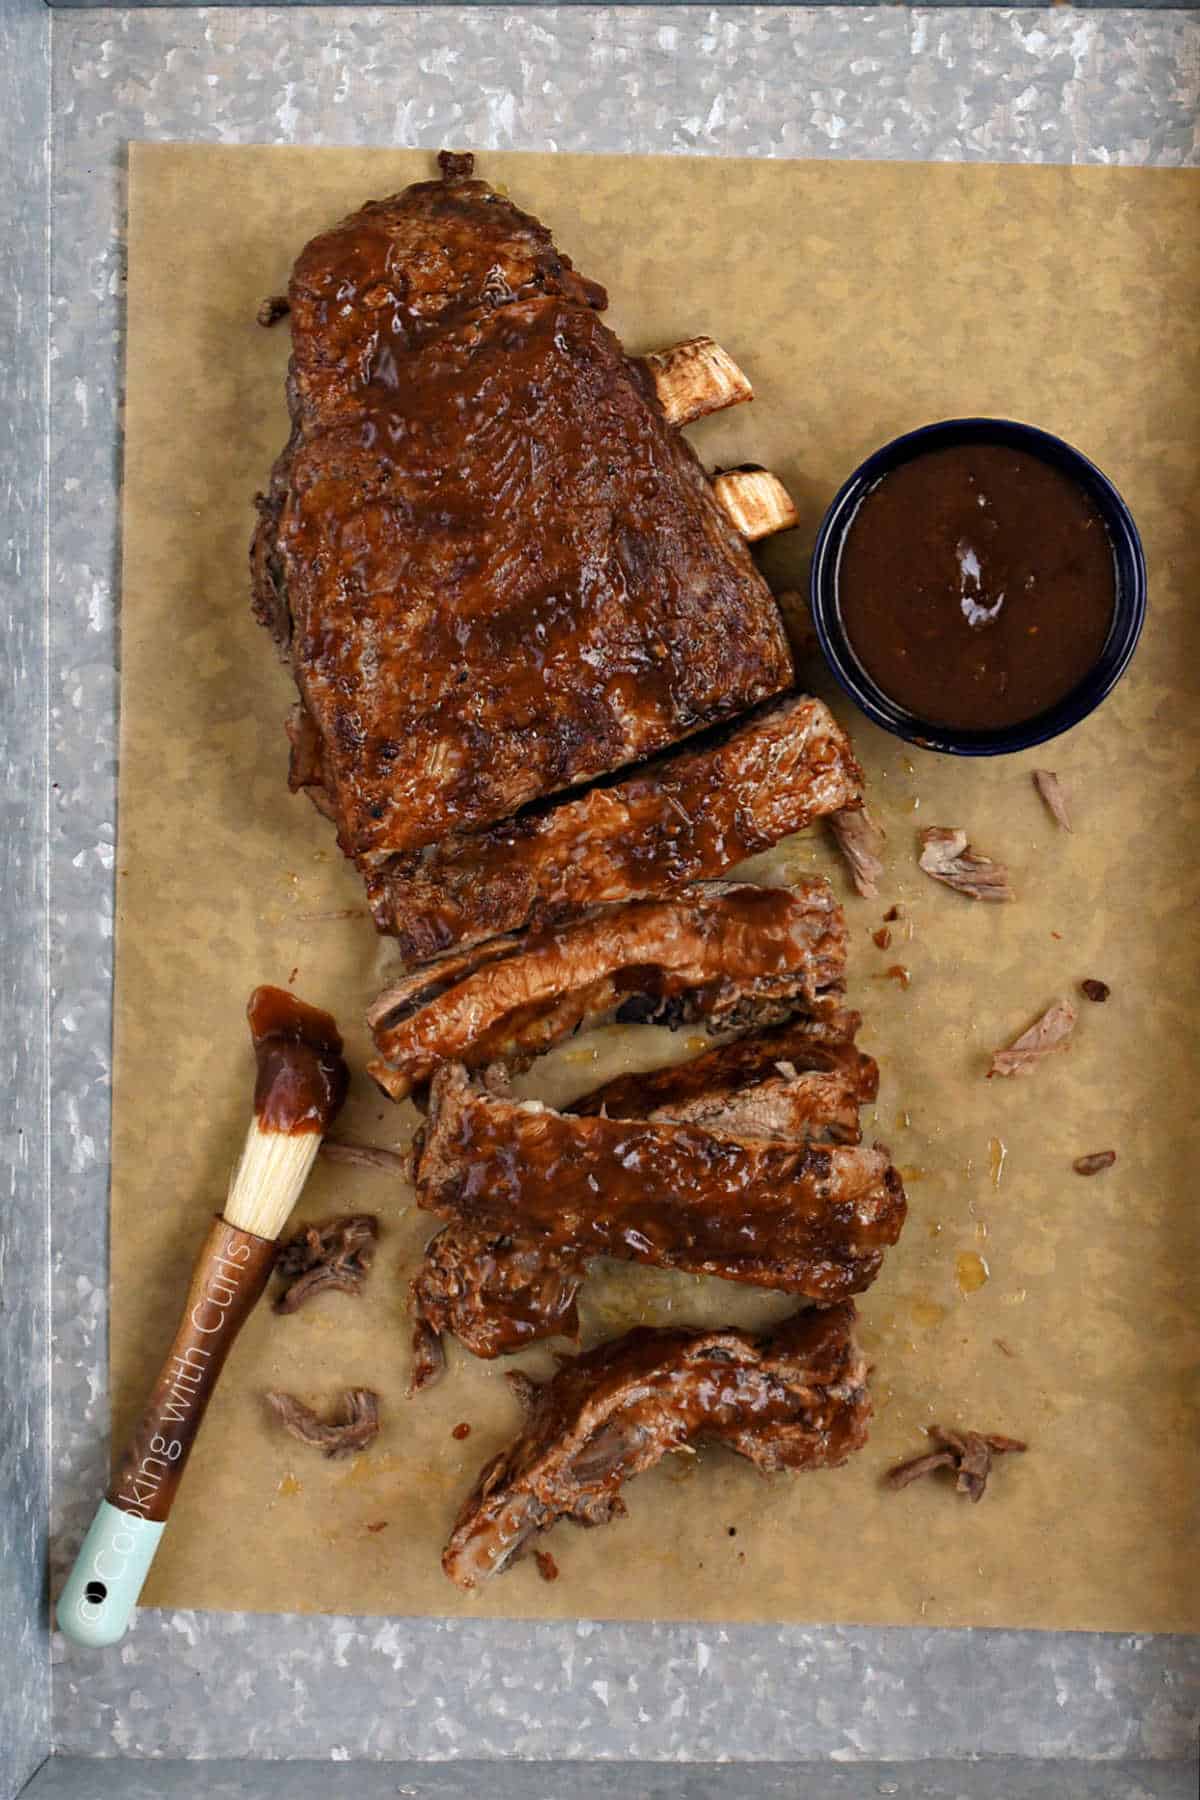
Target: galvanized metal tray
pixel 634 1710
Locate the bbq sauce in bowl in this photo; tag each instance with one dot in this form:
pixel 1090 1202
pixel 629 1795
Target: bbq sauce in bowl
pixel 976 585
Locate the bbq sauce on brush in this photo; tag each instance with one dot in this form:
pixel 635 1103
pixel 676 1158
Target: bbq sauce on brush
pixel 976 585
pixel 301 1080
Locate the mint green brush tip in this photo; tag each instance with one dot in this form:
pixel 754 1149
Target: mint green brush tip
pixel 96 1605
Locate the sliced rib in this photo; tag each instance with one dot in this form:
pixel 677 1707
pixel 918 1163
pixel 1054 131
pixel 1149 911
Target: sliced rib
pixel 683 819
pixel 497 1292
pixel 728 955
pixel 786 1108
pixel 795 1398
pixel 825 1044
pixel 805 1219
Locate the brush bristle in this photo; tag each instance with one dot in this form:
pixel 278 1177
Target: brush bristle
pixel 269 1179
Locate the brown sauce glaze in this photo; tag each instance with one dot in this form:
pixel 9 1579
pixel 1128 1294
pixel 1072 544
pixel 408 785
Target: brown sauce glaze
pixel 976 586
pixel 497 570
pixel 302 1078
pixel 810 1220
pixel 687 818
pixel 497 1292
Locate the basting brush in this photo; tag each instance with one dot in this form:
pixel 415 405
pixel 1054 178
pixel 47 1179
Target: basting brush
pixel 299 1089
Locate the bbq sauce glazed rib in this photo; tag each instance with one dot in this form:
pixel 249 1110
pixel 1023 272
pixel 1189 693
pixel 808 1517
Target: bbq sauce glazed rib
pixel 496 569
pixel 496 1292
pixel 803 1219
pixel 795 1398
pixel 685 818
pixel 730 956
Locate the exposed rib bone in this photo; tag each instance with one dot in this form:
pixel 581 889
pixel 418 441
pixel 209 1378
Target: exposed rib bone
pixel 695 378
pixel 755 502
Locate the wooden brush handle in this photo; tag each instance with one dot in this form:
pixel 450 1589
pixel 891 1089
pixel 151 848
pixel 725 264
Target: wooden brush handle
pixel 230 1274
pixel 102 1589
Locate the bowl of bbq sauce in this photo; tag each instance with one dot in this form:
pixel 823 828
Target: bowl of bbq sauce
pixel 978 586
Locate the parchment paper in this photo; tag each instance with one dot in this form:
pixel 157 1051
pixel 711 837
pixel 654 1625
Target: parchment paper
pixel 863 300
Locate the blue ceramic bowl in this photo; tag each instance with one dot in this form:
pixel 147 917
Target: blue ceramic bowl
pixel 1129 610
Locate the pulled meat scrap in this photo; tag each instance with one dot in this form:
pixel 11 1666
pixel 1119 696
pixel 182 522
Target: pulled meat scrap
pixel 860 841
pixel 968 1453
pixel 336 1254
pixel 730 956
pixel 495 566
pixel 1050 1033
pixel 947 856
pixel 354 1425
pixel 799 1218
pixel 685 819
pixel 365 1156
pixel 795 1398
pixel 1051 790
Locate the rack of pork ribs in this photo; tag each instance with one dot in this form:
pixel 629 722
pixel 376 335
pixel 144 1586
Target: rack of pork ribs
pixel 547 700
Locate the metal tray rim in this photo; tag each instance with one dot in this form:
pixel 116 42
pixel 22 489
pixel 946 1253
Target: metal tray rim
pixel 1094 86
